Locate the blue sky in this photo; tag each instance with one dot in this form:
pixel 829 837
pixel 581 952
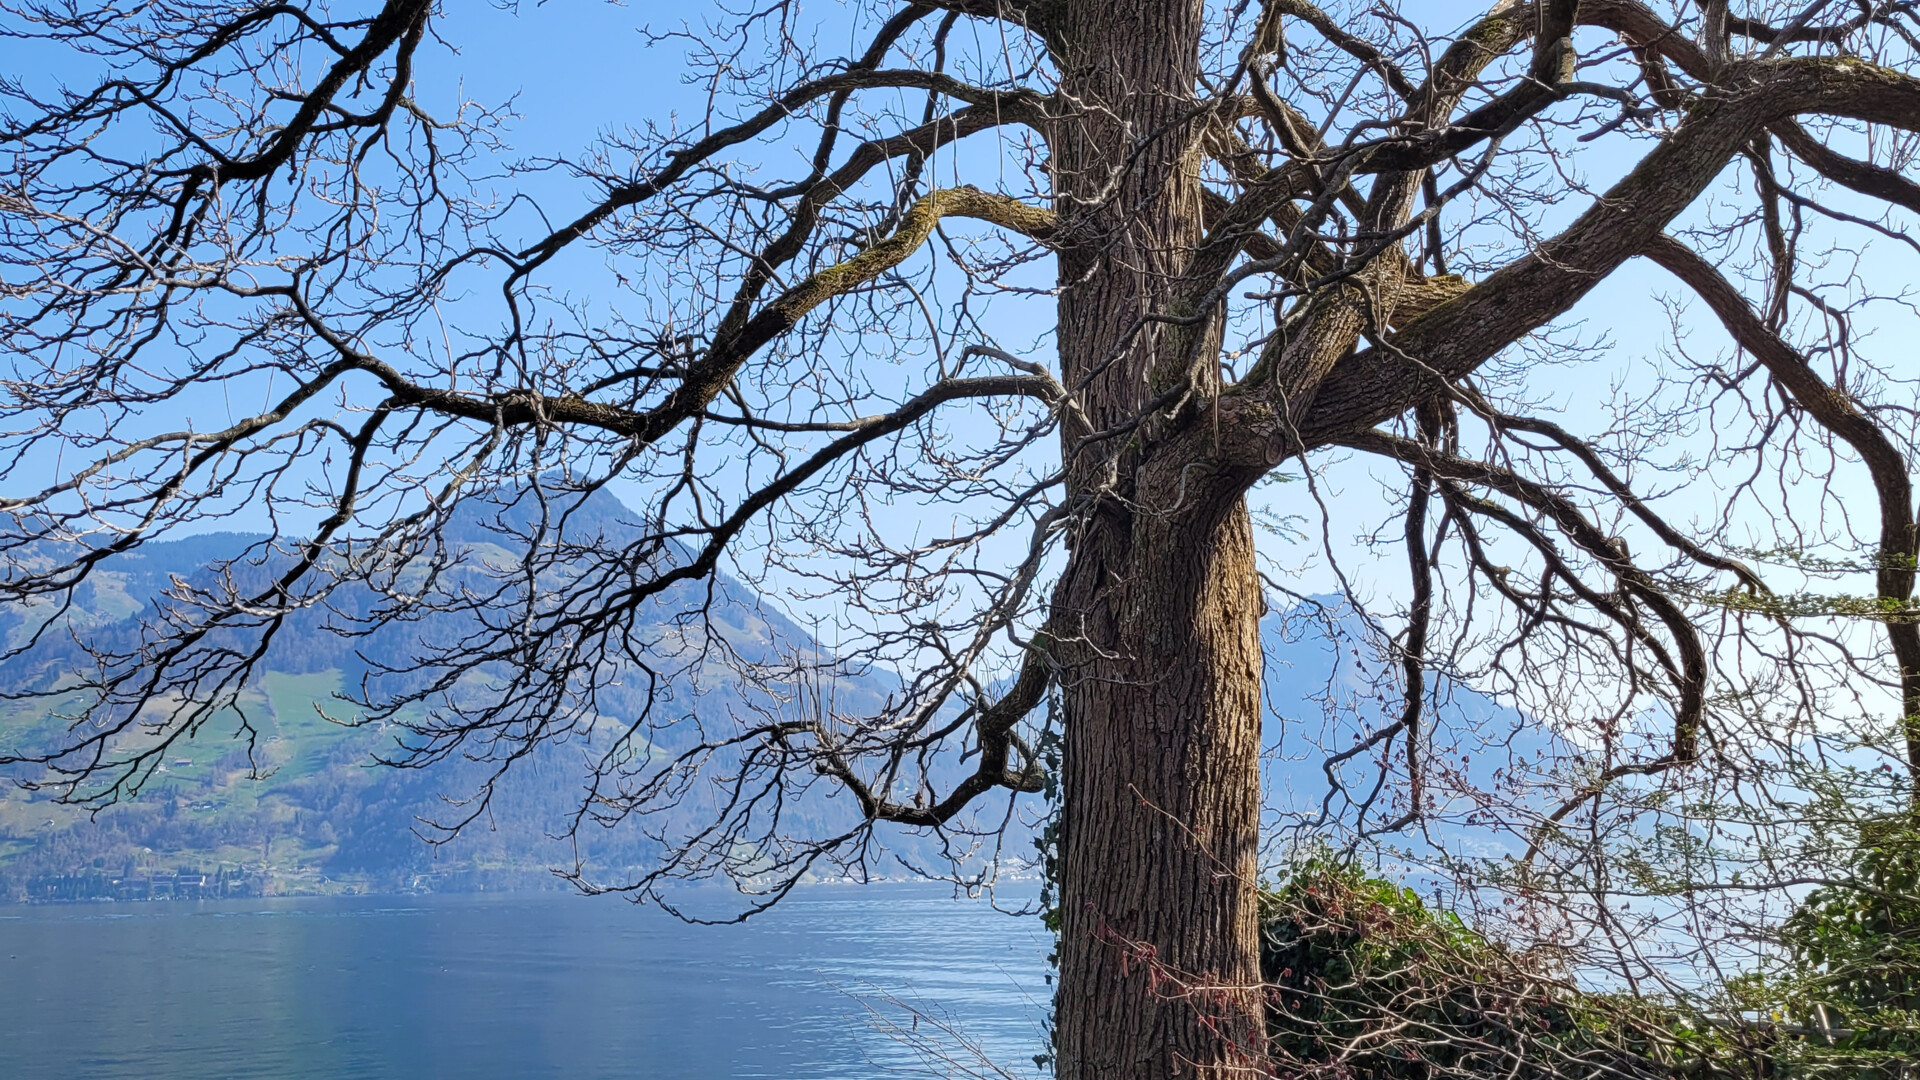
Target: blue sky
pixel 577 69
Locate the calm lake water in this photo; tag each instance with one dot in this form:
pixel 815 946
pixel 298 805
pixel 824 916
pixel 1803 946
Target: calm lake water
pixel 515 986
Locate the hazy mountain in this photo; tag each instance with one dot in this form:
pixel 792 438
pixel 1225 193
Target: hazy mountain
pixel 322 820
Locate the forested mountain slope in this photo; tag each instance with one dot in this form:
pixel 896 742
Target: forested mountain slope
pixel 311 812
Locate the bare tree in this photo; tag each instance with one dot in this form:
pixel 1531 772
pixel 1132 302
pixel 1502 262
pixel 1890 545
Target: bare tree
pixel 1267 234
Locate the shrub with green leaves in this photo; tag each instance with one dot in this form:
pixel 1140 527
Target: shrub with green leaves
pixel 1852 982
pixel 1366 982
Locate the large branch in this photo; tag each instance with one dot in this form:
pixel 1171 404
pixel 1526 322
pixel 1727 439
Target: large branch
pixel 993 728
pixel 709 376
pixel 1689 675
pixel 1641 27
pixel 1836 411
pixel 1833 408
pixel 398 20
pixel 1019 12
pixel 1457 337
pixel 1861 176
pixel 1366 291
pixel 1015 106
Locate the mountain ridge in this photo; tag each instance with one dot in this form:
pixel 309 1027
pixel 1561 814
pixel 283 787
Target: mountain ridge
pixel 319 819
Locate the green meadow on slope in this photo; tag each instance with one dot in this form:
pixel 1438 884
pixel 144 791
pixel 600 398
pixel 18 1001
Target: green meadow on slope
pixel 303 809
pixel 309 812
pixel 306 814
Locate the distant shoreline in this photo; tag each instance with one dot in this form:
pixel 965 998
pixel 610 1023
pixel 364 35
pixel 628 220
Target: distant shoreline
pixel 96 887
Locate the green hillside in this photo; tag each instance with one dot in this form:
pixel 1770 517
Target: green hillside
pixel 307 814
pixel 305 810
pixel 273 797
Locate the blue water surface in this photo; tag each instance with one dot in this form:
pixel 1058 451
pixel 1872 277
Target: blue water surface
pixel 532 985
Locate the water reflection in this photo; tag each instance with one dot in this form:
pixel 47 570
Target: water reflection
pixel 520 986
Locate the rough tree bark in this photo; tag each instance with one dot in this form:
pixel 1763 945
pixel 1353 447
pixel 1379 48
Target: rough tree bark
pixel 1159 620
pixel 1159 959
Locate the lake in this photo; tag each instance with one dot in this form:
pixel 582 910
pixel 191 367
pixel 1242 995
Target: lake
pixel 532 985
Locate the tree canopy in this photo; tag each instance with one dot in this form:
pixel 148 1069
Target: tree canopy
pixel 982 339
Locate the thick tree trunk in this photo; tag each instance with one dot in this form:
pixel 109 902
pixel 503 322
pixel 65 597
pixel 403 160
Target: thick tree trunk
pixel 1159 956
pixel 1158 624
